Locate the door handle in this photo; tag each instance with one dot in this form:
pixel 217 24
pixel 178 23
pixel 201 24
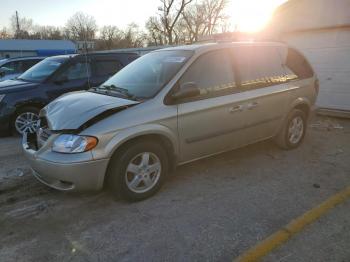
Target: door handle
pixel 234 109
pixel 252 105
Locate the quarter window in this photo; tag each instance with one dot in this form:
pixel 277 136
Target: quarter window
pixel 212 73
pixel 259 66
pixel 297 67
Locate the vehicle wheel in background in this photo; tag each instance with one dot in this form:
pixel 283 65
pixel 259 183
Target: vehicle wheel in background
pixel 25 120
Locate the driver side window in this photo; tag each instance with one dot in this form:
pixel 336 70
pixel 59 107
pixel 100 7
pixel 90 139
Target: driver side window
pixel 212 73
pixel 79 70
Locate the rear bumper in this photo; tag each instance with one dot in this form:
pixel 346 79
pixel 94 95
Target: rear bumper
pixel 66 175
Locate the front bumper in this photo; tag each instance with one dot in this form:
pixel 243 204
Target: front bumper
pixel 69 173
pixel 5 117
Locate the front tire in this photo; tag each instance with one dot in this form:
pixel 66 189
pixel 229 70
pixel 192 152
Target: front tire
pixel 293 131
pixel 138 171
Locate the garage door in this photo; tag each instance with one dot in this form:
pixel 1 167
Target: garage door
pixel 329 53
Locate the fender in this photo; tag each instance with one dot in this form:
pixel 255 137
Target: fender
pixel 300 101
pixel 126 135
pixel 297 102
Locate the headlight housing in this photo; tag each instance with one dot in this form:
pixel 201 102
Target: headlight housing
pixel 1 97
pixel 70 144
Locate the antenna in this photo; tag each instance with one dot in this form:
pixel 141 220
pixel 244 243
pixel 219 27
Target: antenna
pixel 17 24
pixel 87 62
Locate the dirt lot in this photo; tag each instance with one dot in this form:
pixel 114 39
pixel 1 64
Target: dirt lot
pixel 210 210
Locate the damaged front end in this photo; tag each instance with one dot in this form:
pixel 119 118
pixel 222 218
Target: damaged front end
pixel 72 113
pixel 59 155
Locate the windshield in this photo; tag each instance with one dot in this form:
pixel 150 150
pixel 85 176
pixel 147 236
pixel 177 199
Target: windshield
pixel 42 70
pixel 146 76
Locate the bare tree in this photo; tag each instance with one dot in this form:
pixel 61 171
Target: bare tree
pixel 109 37
pixel 205 18
pixel 81 27
pixel 112 38
pixel 155 31
pixel 21 26
pixel 171 11
pixel 46 32
pixel 4 33
pixel 214 14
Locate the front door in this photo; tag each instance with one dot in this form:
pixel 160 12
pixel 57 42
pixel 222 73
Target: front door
pixel 213 121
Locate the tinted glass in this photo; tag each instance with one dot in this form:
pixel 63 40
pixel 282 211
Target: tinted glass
pixel 79 70
pixel 106 68
pixel 42 70
pixel 14 67
pixel 26 64
pixel 132 58
pixel 147 75
pixel 212 73
pixel 259 66
pixel 297 66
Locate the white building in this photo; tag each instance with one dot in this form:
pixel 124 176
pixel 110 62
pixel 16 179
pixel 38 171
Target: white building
pixel 321 30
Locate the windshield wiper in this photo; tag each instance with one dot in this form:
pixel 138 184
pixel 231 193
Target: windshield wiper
pixel 119 90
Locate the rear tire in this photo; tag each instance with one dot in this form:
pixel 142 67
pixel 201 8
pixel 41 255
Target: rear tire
pixel 293 132
pixel 24 120
pixel 138 171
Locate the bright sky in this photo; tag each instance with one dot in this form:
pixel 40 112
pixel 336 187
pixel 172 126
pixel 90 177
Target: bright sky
pixel 252 15
pixel 248 15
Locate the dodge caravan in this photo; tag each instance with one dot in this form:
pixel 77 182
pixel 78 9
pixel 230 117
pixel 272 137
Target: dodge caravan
pixel 170 107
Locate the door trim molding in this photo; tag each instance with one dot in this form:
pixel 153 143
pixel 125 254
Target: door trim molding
pixel 228 131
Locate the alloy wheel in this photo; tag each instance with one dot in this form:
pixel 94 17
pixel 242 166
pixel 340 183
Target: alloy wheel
pixel 26 122
pixel 143 172
pixel 296 130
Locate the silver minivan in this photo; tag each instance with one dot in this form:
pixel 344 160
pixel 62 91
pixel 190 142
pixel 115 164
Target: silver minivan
pixel 170 107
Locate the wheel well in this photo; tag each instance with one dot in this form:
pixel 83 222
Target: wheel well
pixel 38 106
pixel 157 138
pixel 305 108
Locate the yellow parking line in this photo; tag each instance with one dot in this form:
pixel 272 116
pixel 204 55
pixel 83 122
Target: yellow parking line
pixel 295 226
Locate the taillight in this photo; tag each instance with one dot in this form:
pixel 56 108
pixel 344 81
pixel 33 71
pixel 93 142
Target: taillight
pixel 317 85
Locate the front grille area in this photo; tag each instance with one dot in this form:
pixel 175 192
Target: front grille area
pixel 43 132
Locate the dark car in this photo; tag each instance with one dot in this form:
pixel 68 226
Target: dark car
pixel 21 99
pixel 10 68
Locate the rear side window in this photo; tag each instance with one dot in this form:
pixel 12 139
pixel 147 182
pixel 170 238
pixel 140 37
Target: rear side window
pixel 14 67
pixel 212 73
pixel 258 66
pixel 297 66
pixel 106 67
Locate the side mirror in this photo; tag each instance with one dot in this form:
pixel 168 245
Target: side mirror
pixel 186 90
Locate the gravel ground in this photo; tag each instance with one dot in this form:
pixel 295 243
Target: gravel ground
pixel 209 210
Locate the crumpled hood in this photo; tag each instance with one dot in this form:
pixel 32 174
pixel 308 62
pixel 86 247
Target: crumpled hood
pixel 9 86
pixel 72 110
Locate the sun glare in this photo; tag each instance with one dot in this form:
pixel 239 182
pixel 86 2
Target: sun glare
pixel 251 15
